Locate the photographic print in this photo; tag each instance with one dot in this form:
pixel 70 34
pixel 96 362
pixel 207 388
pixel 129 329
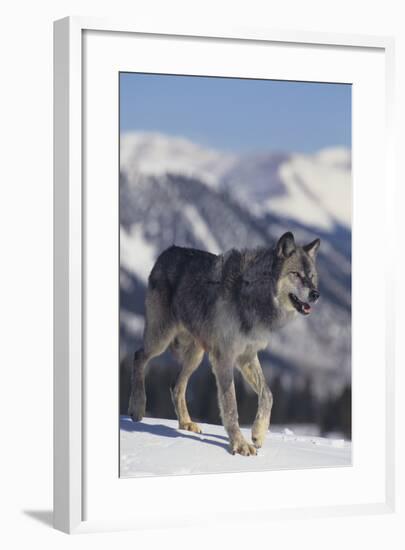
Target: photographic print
pixel 235 274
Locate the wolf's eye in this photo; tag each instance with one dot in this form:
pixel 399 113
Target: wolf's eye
pixel 295 273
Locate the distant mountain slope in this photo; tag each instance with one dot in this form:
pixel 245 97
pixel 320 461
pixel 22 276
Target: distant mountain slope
pixel 302 187
pixel 154 154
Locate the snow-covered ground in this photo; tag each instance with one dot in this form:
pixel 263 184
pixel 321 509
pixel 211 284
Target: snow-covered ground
pixel 156 447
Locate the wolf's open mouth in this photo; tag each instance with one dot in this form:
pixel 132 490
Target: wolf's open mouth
pixel 301 307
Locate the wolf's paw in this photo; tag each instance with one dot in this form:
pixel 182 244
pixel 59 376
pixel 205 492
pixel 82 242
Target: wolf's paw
pixel 190 427
pixel 242 447
pixel 257 441
pixel 258 438
pixel 136 408
pixel 259 431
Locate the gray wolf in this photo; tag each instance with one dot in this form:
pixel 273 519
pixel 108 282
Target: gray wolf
pixel 225 305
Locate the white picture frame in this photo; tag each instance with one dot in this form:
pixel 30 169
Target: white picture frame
pixel 72 433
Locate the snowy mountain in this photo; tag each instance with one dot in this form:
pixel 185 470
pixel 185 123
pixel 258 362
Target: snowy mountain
pixel 302 187
pixel 154 154
pixel 174 191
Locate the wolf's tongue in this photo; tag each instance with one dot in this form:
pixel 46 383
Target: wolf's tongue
pixel 306 307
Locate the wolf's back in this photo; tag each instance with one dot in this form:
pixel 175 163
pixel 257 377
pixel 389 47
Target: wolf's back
pixel 175 263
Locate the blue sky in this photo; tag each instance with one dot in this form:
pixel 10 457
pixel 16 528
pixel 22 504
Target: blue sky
pixel 239 115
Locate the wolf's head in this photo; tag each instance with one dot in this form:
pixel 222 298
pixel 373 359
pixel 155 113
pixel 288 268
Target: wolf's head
pixel 270 283
pixel 296 277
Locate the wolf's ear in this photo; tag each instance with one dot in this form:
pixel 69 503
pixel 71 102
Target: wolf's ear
pixel 286 245
pixel 312 248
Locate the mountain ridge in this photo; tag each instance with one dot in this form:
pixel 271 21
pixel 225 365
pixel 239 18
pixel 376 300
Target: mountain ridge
pixel 295 181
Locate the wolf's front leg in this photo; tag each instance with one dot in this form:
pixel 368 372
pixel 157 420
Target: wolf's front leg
pixel 223 371
pixel 253 374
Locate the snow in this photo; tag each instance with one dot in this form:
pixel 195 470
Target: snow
pixel 201 229
pixel 335 156
pixel 318 189
pixel 155 446
pixel 156 154
pixel 136 254
pixel 132 322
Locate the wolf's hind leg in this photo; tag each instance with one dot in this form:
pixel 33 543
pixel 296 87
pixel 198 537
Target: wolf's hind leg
pixel 190 354
pixel 137 398
pixel 253 374
pixel 159 332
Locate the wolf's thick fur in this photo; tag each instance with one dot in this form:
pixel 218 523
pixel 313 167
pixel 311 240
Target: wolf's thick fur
pixel 227 306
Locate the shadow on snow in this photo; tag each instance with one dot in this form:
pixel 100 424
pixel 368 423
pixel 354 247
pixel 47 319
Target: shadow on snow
pixel 160 430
